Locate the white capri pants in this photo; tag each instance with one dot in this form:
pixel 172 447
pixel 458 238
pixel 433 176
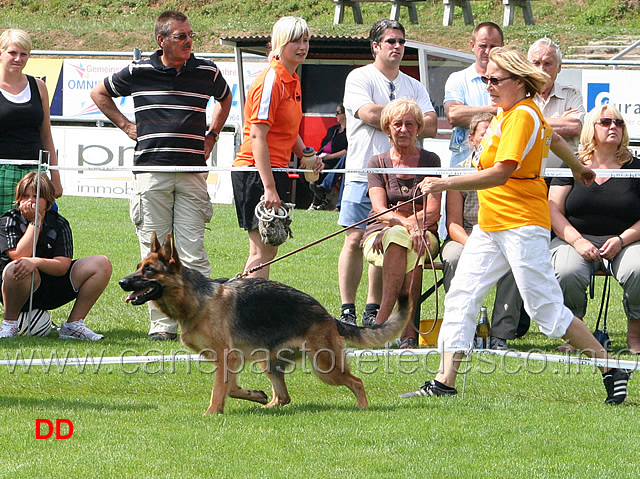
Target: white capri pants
pixel 486 257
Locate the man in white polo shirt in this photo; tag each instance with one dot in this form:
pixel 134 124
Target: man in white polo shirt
pixel 367 90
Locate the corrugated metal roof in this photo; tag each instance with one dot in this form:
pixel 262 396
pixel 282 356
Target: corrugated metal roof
pixel 341 46
pixel 320 46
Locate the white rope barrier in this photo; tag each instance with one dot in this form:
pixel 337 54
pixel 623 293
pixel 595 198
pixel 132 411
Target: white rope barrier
pixel 632 365
pixel 549 172
pixel 20 162
pixel 119 360
pixel 510 353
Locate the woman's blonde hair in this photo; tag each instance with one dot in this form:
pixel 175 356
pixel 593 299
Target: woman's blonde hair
pixel 516 63
pixel 588 135
pixel 397 108
pixel 30 180
pixel 286 30
pixel 19 37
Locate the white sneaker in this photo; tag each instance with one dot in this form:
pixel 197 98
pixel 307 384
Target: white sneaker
pixel 9 329
pixel 77 330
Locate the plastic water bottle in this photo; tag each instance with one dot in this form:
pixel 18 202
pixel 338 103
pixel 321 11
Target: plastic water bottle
pixel 309 161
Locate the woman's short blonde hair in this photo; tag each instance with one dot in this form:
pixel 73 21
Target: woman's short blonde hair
pixel 30 180
pixel 397 108
pixel 286 30
pixel 19 37
pixel 588 135
pixel 513 61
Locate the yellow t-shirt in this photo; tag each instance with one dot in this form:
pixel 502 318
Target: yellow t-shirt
pixel 521 135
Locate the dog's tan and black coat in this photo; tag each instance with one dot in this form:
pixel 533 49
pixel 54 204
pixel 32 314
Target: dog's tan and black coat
pixel 253 319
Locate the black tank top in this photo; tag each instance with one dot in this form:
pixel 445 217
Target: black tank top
pixel 20 126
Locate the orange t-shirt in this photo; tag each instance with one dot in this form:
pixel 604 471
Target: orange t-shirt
pixel 519 135
pixel 275 99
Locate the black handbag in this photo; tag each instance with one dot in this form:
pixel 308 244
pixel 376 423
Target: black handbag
pixel 601 334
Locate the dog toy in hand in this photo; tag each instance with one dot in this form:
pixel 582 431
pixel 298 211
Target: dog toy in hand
pixel 274 227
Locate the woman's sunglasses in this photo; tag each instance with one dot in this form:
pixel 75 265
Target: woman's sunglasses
pixel 493 80
pixel 607 122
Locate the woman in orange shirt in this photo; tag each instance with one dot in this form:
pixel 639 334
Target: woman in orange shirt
pixel 272 113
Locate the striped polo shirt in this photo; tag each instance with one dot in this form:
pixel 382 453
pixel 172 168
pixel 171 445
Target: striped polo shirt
pixel 170 107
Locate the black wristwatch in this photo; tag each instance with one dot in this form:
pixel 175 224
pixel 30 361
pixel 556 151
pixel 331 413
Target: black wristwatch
pixel 213 134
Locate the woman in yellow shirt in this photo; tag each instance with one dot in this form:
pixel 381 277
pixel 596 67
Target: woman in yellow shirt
pixel 513 230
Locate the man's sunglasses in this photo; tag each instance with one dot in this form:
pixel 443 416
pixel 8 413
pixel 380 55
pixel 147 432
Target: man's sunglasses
pixel 392 41
pixel 493 80
pixel 607 122
pixel 183 36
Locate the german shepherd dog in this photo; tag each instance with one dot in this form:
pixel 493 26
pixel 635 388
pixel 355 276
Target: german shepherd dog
pixel 227 321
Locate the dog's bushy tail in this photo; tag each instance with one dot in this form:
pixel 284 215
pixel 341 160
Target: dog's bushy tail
pixel 379 334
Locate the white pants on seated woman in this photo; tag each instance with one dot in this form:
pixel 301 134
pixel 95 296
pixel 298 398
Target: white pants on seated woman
pixel 399 235
pixel 486 257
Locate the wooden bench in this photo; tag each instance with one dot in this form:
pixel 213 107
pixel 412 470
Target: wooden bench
pixel 510 8
pixel 449 7
pixel 509 11
pixel 338 15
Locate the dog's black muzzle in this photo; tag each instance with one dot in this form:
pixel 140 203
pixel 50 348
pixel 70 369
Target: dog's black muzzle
pixel 143 289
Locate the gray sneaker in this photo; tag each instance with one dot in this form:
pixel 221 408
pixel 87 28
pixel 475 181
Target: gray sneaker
pixel 9 329
pixel 369 319
pixel 498 343
pixel 430 388
pixel 77 330
pixel 348 317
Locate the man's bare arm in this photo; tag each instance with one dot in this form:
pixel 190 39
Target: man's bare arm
pixel 105 103
pixel 460 115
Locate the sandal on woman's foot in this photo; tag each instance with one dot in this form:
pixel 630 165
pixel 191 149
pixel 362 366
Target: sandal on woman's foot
pixel 407 343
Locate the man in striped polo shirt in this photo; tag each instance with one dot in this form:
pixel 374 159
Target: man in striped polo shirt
pixel 170 91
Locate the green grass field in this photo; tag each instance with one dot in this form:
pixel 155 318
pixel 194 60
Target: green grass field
pixel 517 419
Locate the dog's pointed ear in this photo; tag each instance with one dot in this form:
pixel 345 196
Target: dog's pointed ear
pixel 169 251
pixel 155 244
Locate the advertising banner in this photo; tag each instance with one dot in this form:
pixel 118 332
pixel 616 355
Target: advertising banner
pixel 97 162
pixel 48 70
pixel 616 87
pixel 80 76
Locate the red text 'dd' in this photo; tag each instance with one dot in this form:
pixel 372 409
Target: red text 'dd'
pixel 45 429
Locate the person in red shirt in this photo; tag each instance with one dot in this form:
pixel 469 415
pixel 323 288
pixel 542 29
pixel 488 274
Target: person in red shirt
pixel 272 113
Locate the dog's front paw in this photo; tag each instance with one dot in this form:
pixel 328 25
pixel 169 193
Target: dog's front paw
pixel 259 396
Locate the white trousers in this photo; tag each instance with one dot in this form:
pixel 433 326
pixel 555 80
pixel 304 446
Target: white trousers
pixel 485 259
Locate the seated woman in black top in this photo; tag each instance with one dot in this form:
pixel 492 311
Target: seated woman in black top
pixel 57 278
pixel 599 224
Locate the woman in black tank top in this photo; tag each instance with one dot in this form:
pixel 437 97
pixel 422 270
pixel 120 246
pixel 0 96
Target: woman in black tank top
pixel 25 124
